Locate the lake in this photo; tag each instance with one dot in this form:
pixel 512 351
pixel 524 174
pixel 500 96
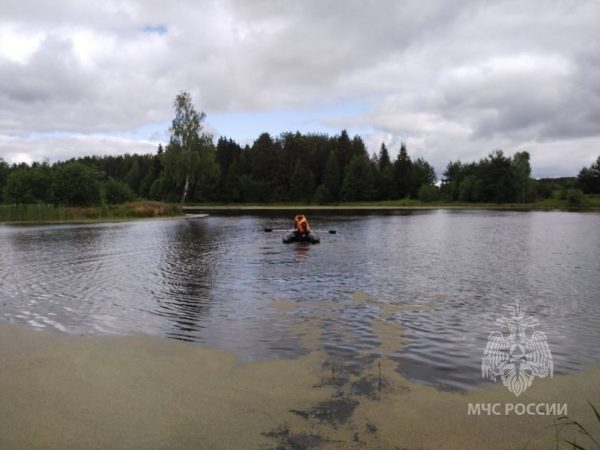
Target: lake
pixel 422 288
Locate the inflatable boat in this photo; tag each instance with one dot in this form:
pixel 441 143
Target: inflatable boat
pixel 294 236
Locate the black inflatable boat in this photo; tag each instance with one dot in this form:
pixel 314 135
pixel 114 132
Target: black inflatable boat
pixel 294 236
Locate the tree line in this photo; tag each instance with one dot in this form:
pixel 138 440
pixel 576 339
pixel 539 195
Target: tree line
pixel 292 167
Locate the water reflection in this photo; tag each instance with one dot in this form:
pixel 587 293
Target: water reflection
pixel 301 250
pixel 186 263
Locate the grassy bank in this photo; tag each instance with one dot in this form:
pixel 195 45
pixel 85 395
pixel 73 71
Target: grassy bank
pixel 149 209
pixel 590 203
pixel 58 214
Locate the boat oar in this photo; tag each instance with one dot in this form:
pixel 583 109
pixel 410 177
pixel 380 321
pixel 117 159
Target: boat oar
pixel 270 230
pixel 324 231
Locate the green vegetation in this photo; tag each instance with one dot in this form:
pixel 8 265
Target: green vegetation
pixel 592 203
pixel 56 214
pixel 34 213
pixel 303 168
pixel 589 178
pixel 189 160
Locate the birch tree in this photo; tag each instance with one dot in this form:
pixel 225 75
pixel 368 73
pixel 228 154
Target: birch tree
pixel 189 159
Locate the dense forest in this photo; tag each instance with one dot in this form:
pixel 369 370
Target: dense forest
pixel 292 167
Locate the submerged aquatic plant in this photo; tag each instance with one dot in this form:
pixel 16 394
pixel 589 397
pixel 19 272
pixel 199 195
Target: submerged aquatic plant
pixel 567 422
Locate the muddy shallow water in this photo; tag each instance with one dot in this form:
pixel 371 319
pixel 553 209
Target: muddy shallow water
pixel 144 392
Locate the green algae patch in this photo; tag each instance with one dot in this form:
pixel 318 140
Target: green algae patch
pixel 390 335
pixel 140 392
pixel 363 297
pixel 409 415
pixel 283 306
pixel 308 335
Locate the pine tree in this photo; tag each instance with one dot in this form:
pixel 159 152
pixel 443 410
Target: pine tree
pixel 344 152
pixel 359 180
pixel 332 175
pixel 589 178
pixel 521 174
pixel 402 167
pixel 385 175
pixel 302 184
pixel 383 159
pixel 421 174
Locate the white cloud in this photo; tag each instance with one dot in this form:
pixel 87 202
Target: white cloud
pixel 64 147
pixel 18 45
pixel 452 79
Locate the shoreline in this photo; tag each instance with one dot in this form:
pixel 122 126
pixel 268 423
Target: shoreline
pixel 94 221
pixel 191 211
pixel 366 207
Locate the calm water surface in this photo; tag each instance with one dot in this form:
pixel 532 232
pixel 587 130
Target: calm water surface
pixel 443 277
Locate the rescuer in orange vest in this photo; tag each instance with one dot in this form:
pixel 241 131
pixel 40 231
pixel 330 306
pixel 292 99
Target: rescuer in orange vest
pixel 302 225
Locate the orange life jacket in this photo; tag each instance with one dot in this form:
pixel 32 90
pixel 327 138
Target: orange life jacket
pixel 302 225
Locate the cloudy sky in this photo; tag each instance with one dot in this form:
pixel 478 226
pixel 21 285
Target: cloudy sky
pixel 453 79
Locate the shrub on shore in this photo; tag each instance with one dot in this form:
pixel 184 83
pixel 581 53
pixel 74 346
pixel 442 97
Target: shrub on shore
pixel 47 213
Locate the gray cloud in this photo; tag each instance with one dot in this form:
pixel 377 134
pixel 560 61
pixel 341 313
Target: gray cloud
pixel 452 79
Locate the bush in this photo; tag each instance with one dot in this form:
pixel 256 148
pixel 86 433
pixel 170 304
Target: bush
pixel 116 192
pixel 575 198
pixel 428 193
pixel 470 189
pixel 543 190
pixel 145 209
pixel 76 184
pixel 18 189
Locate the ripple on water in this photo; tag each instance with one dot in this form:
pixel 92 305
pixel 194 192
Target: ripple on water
pixel 421 289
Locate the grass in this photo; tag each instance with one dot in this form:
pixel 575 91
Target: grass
pixel 591 203
pixel 34 213
pixel 60 214
pixel 147 209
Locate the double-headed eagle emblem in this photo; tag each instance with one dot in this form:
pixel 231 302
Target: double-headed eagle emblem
pixel 517 358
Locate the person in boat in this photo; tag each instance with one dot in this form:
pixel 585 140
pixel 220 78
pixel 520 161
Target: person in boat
pixel 302 225
pixel 301 232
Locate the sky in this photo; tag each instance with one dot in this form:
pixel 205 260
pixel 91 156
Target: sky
pixel 452 79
